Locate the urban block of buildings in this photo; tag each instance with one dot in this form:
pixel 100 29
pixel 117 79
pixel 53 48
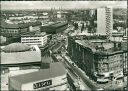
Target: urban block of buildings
pixel 99 59
pixel 15 30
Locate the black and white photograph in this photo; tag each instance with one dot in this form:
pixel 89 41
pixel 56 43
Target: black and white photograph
pixel 64 45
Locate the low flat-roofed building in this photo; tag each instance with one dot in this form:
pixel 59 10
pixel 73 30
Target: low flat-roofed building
pixel 53 78
pixel 18 53
pixel 34 39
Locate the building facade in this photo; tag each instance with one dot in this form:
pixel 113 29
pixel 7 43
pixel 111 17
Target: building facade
pixel 53 78
pixel 34 26
pixel 108 65
pixel 105 21
pixel 125 61
pixel 34 39
pixel 117 36
pixel 13 30
pixel 125 37
pixel 81 55
pixel 101 60
pixel 17 54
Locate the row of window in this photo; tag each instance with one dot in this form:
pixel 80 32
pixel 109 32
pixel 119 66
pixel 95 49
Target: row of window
pixel 9 31
pixel 29 39
pixel 110 69
pixel 33 36
pixel 114 68
pixel 33 42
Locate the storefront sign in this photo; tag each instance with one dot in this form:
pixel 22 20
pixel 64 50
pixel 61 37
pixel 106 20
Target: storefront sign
pixel 42 84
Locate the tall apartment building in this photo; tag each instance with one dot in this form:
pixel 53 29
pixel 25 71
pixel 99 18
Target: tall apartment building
pixel 105 21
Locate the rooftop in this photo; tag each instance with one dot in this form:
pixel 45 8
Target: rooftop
pixel 34 34
pixel 12 26
pixel 54 27
pixel 22 57
pixel 20 25
pixel 37 23
pixel 16 47
pixel 87 44
pixel 102 47
pixel 56 69
pixel 58 24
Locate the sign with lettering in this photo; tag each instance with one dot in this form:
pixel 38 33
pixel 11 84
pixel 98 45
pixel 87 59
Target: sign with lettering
pixel 42 84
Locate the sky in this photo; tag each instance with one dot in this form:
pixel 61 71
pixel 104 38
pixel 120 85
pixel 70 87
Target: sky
pixel 14 5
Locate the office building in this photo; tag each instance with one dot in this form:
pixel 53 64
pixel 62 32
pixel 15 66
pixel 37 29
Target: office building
pixel 34 39
pixel 82 55
pixel 105 21
pixel 98 58
pixel 53 78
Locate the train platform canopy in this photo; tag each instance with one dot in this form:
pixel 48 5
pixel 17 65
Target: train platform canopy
pixel 58 24
pixel 56 69
pixel 54 28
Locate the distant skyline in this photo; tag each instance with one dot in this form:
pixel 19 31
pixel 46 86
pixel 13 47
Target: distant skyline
pixel 15 5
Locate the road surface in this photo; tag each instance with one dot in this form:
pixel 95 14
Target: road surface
pixel 76 73
pixel 82 76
